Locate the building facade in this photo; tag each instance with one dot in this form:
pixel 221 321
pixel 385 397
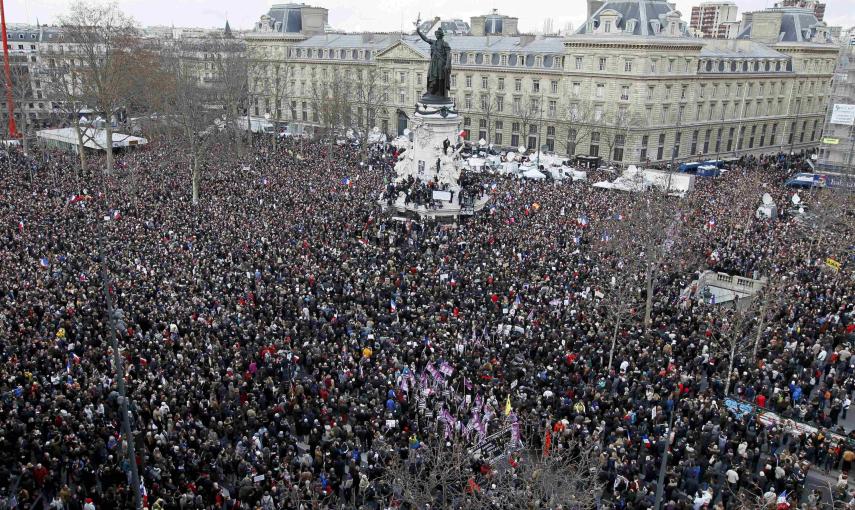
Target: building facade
pixel 628 86
pixel 818 8
pixel 714 20
pixel 837 147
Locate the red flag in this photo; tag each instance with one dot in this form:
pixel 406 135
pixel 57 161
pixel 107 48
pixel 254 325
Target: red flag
pixel 547 441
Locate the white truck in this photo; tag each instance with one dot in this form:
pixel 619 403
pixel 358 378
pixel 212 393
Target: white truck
pixel 256 125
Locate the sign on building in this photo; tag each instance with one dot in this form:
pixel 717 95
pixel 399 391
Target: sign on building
pixel 843 114
pixel 830 141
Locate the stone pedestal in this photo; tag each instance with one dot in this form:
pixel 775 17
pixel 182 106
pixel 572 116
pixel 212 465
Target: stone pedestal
pixel 430 160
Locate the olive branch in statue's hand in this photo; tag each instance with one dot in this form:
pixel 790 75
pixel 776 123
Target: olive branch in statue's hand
pixel 418 20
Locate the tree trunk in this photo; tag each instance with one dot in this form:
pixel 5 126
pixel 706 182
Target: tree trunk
pixel 614 342
pixel 195 180
pixel 765 297
pixel 80 152
pixel 108 146
pixel 733 344
pixel 648 305
pixel 237 130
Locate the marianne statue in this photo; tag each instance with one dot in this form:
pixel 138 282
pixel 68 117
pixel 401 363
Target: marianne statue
pixel 439 73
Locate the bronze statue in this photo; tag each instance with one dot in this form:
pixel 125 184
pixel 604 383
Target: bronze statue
pixel 439 72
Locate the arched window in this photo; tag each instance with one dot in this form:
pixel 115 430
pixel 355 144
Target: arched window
pixel 479 58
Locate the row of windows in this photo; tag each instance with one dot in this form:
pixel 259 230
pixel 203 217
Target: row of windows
pixel 744 66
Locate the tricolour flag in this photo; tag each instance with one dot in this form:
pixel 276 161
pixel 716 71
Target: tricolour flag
pixel 44 262
pixel 393 306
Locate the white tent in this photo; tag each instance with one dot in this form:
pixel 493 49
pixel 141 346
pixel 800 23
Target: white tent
pixel 533 173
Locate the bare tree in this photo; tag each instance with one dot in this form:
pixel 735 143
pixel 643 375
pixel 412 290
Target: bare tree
pixel 331 100
pixel 580 115
pixel 103 41
pixel 367 96
pixel 446 473
pixel 233 69
pixel 489 106
pixel 22 94
pixel 730 332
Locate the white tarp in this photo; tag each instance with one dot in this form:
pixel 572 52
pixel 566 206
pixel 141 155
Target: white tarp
pixel 93 138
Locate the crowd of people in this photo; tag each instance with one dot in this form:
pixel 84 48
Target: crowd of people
pixel 283 341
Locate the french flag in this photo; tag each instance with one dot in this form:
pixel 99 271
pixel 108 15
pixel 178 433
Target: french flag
pixel 346 181
pixel 711 223
pixel 44 262
pixel 462 133
pixel 21 227
pixel 646 441
pixel 619 216
pixel 582 220
pixel 393 307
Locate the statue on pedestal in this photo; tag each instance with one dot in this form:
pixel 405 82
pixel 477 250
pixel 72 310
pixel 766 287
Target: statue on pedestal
pixel 439 72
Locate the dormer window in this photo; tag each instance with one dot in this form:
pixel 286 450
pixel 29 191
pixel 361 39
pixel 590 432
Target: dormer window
pixel 607 26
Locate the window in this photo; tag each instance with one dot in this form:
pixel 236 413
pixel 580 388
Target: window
pixel 571 141
pixel 500 103
pixel 578 63
pixel 468 81
pixel 535 85
pixel 694 147
pixel 499 125
pixel 751 138
pixel 517 105
pixel 501 84
pixel 482 130
pixel 577 88
pixel 454 81
pixel 515 140
pixel 574 111
pixel 467 121
pixel 602 66
pixel 468 103
pixel 683 91
pixel 627 66
pixel 607 26
pixel 600 91
pixel 666 113
pixel 653 68
pixel 667 92
pixel 643 154
pixel 595 144
pixel 518 85
pixel 515 127
pixel 386 77
pixel 402 77
pixel 620 141
pixel 730 139
pixel 497 138
pixel 718 141
pixel 553 105
pixel 762 135
pixel 598 113
pixel 650 91
pixel 660 151
pixel 707 141
pixel 702 91
pixel 624 92
pixel 402 96
pixel 483 103
pixel 671 65
pixel 504 60
pixel 677 137
pixel 554 86
pixel 483 82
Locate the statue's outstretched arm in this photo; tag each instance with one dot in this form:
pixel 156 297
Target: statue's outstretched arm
pixel 425 39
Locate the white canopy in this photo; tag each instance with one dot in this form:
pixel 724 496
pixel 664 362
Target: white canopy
pixel 533 174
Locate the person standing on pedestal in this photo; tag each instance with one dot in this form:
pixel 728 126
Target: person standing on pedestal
pixel 439 72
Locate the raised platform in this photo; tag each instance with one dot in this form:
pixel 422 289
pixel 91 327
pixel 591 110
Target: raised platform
pixel 449 211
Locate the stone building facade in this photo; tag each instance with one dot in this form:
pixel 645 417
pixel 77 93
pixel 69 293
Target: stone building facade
pixel 629 86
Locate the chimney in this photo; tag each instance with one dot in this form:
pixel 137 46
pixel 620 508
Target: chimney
pixel 526 39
